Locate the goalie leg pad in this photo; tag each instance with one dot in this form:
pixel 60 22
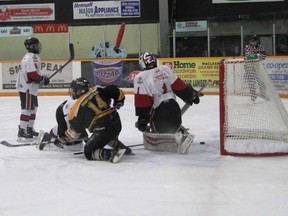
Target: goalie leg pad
pixel 159 142
pixel 185 144
pixel 183 140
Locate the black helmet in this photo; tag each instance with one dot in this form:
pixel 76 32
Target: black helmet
pixel 33 45
pixel 254 41
pixel 147 61
pixel 254 37
pixel 78 87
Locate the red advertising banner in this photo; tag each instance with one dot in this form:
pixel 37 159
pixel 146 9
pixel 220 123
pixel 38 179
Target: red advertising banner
pixel 50 28
pixel 27 12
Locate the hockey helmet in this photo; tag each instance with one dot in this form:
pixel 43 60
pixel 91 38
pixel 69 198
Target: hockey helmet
pixel 254 40
pixel 78 87
pixel 33 45
pixel 147 61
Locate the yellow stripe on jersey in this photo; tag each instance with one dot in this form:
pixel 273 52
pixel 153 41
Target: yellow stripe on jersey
pixel 99 115
pixel 75 107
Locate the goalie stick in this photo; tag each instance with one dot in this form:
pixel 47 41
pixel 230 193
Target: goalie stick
pixel 72 54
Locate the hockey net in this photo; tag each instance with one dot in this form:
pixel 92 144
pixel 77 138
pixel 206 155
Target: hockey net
pixel 253 119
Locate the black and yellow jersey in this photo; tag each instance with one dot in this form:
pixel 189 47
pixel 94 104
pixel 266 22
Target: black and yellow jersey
pixel 92 106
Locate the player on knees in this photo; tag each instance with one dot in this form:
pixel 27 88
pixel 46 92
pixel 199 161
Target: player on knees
pixel 155 89
pixel 28 81
pixel 78 87
pixel 93 111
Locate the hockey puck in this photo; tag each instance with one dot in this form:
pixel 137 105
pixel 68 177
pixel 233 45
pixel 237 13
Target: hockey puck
pixel 202 143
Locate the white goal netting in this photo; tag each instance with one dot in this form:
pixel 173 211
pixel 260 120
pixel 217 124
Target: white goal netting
pixel 253 118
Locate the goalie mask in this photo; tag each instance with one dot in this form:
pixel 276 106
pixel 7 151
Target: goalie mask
pixel 78 87
pixel 33 45
pixel 147 61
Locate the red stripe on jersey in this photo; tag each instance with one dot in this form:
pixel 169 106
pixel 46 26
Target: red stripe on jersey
pixel 178 85
pixel 33 76
pixel 143 100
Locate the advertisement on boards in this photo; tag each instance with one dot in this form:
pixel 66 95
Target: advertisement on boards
pixel 50 28
pixel 277 69
pixel 16 31
pixel 196 71
pixel 106 9
pixel 107 73
pixel 59 81
pixel 27 12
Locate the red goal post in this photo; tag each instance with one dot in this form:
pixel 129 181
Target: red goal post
pixel 253 119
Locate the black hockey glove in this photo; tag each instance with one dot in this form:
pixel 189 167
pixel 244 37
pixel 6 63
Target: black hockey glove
pixel 118 104
pixel 46 80
pixel 141 124
pixel 194 98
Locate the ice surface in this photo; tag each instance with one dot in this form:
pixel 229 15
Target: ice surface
pixel 200 183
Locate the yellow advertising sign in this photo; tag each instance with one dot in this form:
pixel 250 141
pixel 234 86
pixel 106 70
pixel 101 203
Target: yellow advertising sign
pixel 196 71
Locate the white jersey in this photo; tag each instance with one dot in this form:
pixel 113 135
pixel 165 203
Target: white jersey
pixel 156 83
pixel 30 62
pixel 66 110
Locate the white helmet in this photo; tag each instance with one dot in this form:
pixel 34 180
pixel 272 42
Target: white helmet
pixel 147 61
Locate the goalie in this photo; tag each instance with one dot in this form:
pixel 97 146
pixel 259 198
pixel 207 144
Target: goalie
pixel 155 89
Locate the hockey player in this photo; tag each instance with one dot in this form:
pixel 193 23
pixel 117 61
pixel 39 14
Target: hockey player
pixel 254 51
pixel 92 111
pixel 155 90
pixel 78 87
pixel 28 81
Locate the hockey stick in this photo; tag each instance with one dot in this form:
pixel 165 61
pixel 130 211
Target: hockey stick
pixel 8 144
pixel 32 143
pixel 131 146
pixel 71 50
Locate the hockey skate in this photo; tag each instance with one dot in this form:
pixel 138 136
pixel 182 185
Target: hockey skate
pixel 117 155
pixel 31 131
pixel 120 145
pixel 42 140
pixel 23 136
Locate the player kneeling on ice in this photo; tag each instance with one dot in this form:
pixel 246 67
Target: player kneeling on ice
pixel 92 111
pixel 78 87
pixel 155 88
